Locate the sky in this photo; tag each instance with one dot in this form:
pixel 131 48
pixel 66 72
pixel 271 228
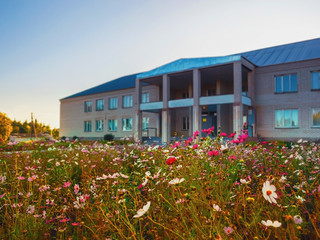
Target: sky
pixel 52 49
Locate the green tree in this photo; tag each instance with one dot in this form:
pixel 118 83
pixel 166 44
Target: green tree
pixel 5 127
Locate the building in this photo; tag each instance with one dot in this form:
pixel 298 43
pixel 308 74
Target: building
pixel 275 91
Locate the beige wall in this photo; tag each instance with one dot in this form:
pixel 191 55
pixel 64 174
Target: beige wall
pixel 266 101
pixel 72 115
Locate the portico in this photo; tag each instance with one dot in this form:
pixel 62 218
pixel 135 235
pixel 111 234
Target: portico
pixel 220 94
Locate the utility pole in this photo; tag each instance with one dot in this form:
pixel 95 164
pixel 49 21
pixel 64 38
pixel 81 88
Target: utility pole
pixel 33 126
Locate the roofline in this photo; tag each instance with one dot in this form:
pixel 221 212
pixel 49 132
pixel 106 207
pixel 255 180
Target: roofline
pixel 70 97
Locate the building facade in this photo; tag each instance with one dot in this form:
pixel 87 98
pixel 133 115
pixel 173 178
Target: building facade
pixel 274 91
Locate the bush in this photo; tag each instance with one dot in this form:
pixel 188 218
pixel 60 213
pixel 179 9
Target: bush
pixel 108 137
pixel 5 127
pixel 63 138
pixel 75 138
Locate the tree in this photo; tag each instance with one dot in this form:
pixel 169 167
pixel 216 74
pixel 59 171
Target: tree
pixel 5 127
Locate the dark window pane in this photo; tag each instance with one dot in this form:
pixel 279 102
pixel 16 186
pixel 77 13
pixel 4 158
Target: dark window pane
pixel 294 83
pixel 278 84
pixel 286 84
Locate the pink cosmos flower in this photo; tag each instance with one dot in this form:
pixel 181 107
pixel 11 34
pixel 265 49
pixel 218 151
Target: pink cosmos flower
pixel 20 178
pixel 66 184
pixel 76 188
pixel 228 230
pixel 30 179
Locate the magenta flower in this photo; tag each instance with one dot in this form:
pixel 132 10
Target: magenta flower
pixel 66 184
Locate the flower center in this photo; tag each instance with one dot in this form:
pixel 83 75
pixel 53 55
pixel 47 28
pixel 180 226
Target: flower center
pixel 269 192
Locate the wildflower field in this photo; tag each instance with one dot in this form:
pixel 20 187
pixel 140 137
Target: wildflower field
pixel 200 188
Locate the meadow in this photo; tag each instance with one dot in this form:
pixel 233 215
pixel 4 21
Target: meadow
pixel 199 188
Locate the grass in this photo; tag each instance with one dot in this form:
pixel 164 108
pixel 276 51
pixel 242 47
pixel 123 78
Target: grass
pixel 219 194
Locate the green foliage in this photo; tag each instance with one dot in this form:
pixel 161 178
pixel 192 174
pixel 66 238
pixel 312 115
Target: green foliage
pixel 5 127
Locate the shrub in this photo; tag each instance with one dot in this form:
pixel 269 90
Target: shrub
pixel 108 137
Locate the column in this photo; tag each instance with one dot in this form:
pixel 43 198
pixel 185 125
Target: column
pixel 138 113
pixel 196 115
pixel 237 93
pixel 218 92
pixel 165 134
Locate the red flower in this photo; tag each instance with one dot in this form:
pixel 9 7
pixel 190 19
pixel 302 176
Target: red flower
pixel 171 160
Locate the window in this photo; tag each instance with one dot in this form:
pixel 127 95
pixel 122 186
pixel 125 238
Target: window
pixel 316 117
pixel 286 118
pixel 99 125
pixel 88 106
pixel 113 103
pixel 185 123
pixel 315 80
pixel 145 123
pixel 112 125
pixel 145 97
pixel 87 126
pixel 99 105
pixel 127 101
pixel 211 92
pixel 286 83
pixel 126 124
pixel 185 95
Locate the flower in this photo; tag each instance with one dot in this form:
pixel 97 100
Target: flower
pixel 66 184
pixel 76 188
pixel 171 160
pixel 297 219
pixel 143 210
pixel 176 181
pixel 228 230
pixel 269 223
pixel 32 178
pixel 216 207
pixel 213 153
pixel 269 192
pixel 30 209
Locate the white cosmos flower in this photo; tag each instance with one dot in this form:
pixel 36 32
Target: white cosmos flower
pixel 143 210
pixel 269 223
pixel 176 181
pixel 243 181
pixel 217 208
pixel 269 192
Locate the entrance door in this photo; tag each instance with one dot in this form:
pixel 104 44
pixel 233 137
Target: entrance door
pixel 209 119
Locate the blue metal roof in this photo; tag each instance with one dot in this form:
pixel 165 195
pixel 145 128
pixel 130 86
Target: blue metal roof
pixel 292 52
pixel 116 84
pixel 187 64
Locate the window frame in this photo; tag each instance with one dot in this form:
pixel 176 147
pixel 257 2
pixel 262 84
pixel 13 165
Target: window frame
pixel 282 126
pixel 185 123
pixel 145 99
pixel 102 107
pixel 102 127
pixel 130 102
pixel 86 107
pixel 87 123
pixel 145 123
pixel 282 83
pixel 127 119
pixel 313 72
pixel 312 112
pixel 116 125
pixel 116 103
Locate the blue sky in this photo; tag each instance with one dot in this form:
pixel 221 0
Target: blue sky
pixel 52 49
